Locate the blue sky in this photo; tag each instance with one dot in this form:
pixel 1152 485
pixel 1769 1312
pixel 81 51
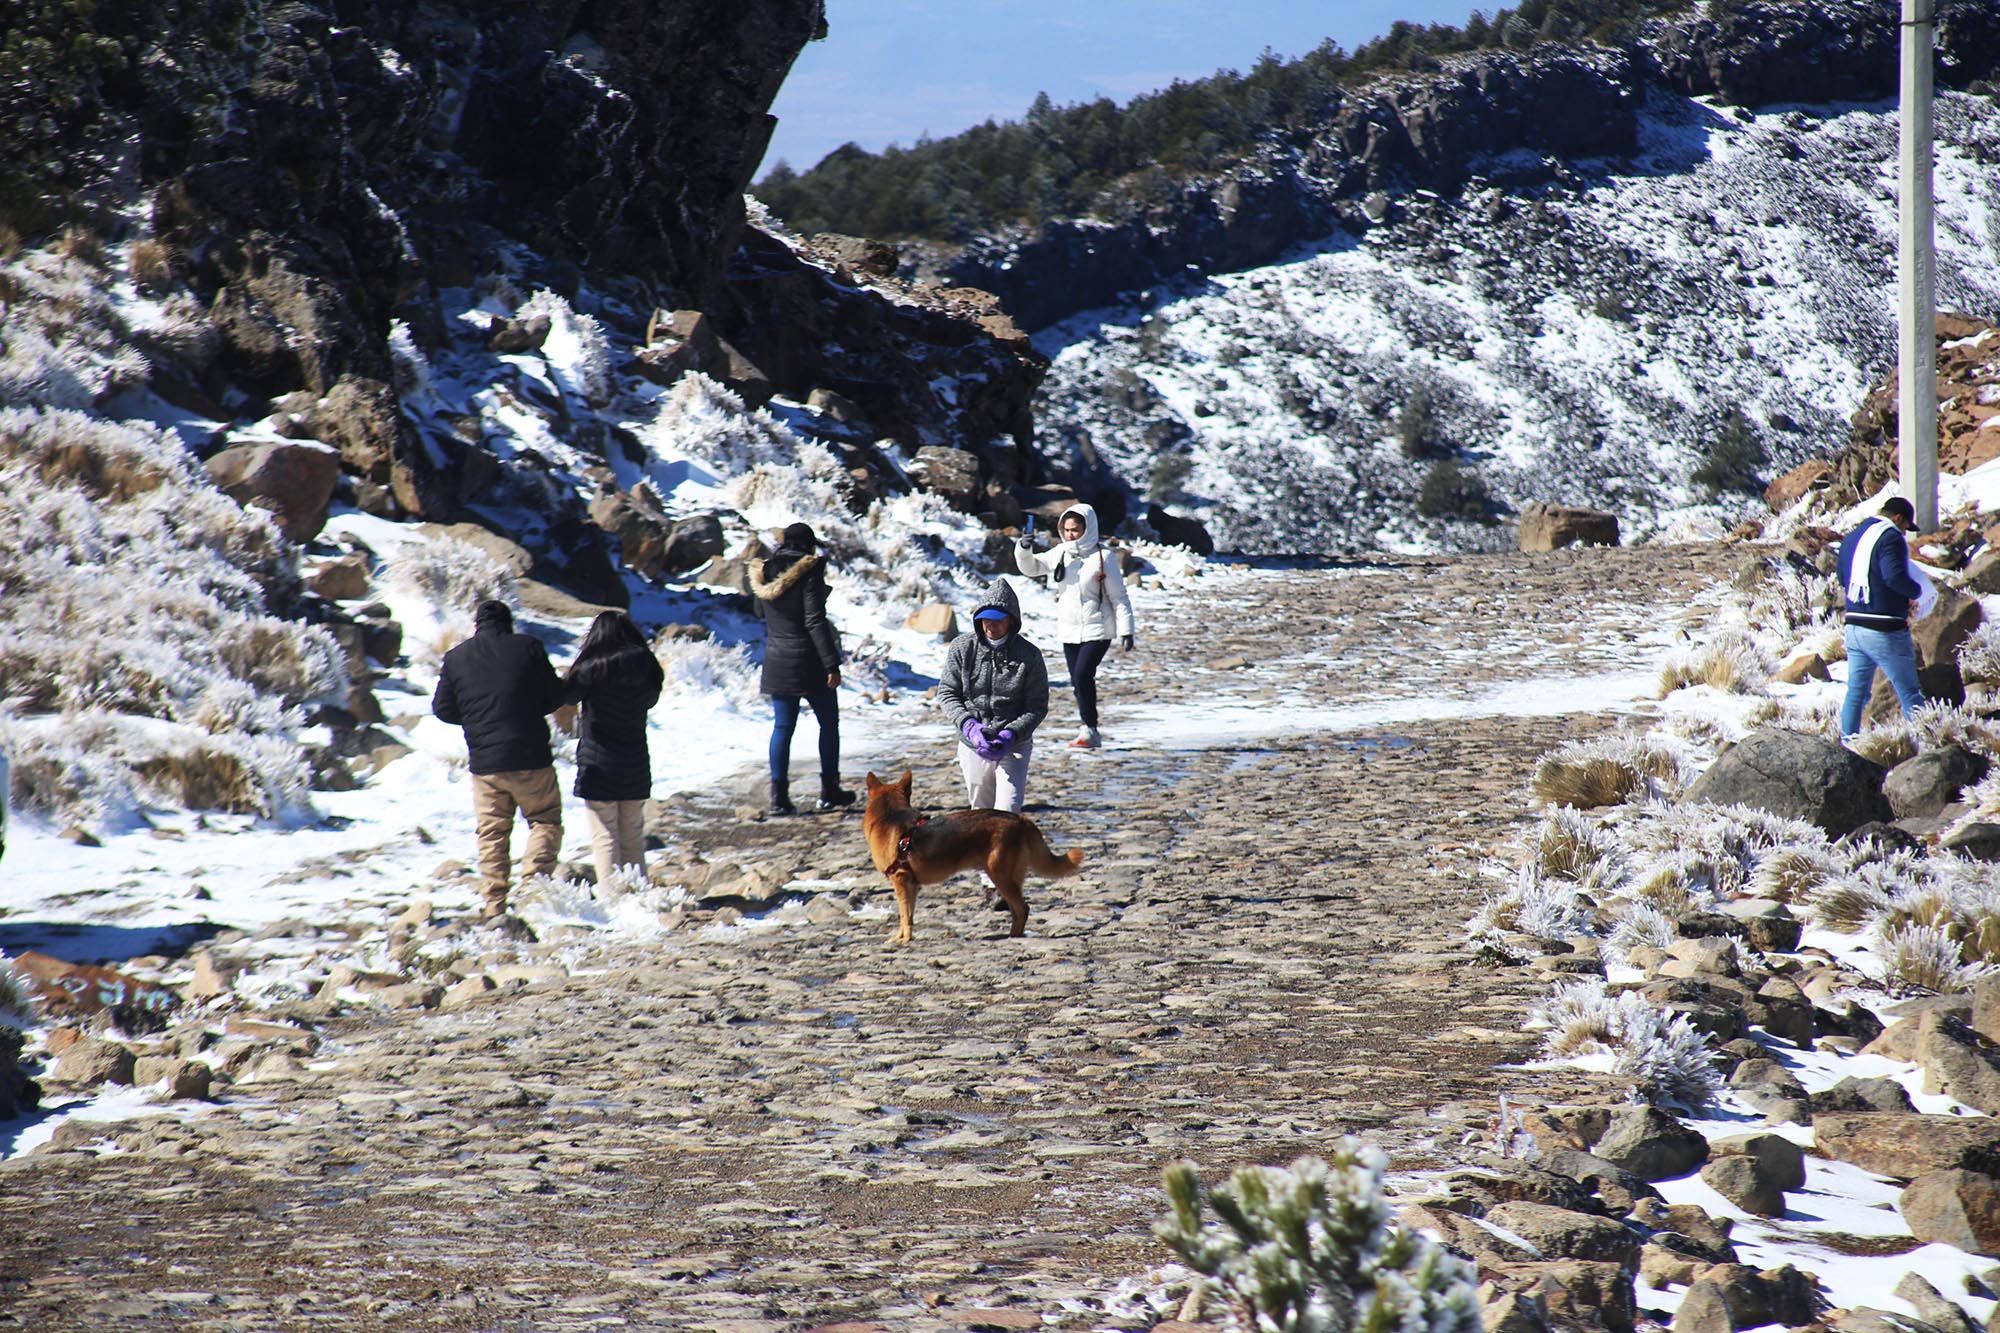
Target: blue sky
pixel 890 70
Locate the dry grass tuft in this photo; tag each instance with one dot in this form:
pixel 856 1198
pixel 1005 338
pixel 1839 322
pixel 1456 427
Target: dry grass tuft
pixel 153 263
pixel 1792 874
pixel 1925 958
pixel 11 241
pixel 1566 845
pixel 204 779
pixel 81 244
pixel 1583 784
pixel 1731 663
pixel 1888 744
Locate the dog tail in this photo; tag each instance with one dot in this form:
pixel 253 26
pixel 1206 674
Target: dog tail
pixel 1050 864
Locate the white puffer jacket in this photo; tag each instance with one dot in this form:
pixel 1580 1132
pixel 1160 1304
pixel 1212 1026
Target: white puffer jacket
pixel 1091 602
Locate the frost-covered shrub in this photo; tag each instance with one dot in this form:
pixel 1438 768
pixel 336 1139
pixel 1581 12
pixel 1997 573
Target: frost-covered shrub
pixel 700 420
pixel 1567 845
pixel 1531 904
pixel 1718 846
pixel 1641 926
pixel 1792 601
pixel 409 367
pixel 1584 781
pixel 451 575
pixel 1937 724
pixel 136 658
pixel 578 352
pixel 1313 1249
pixel 67 344
pixel 1664 1058
pixel 17 999
pixel 1853 901
pixel 1793 874
pixel 704 667
pixel 1674 883
pixel 1886 743
pixel 1925 958
pixel 1961 902
pixel 1979 655
pixel 1731 662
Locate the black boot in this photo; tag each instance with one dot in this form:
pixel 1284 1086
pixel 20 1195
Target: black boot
pixel 833 796
pixel 781 797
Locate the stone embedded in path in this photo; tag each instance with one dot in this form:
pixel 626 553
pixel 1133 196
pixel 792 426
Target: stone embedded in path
pixel 1904 1147
pixel 1863 1094
pixel 1798 776
pixel 1619 1188
pixel 1954 1207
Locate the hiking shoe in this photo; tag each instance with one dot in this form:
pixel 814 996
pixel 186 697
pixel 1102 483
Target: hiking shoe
pixel 1087 739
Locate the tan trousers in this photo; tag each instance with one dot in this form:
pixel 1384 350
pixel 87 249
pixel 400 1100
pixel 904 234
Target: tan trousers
pixel 495 799
pixel 617 835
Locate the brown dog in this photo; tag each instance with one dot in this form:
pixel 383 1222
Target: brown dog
pixel 912 850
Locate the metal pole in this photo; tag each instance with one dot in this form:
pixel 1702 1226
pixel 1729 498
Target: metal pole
pixel 1916 274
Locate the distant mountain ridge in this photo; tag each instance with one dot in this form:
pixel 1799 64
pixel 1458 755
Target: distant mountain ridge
pixel 1509 118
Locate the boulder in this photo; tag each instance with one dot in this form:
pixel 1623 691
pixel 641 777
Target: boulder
pixel 1983 574
pixel 185 1080
pixel 1762 1083
pixel 1565 1232
pixel 1781 1159
pixel 1975 840
pixel 513 336
pixel 1547 527
pixel 1174 530
pixel 1500 1311
pixel 951 473
pixel 1799 776
pixel 934 618
pixel 1937 638
pixel 691 542
pixel 1925 784
pixel 1688 1228
pixel 1786 490
pixel 1620 1189
pixel 1578 1293
pixel 91 1062
pixel 1493 1180
pixel 1726 1298
pixel 1798 670
pixel 1745 1182
pixel 1904 1147
pixel 1864 1095
pixel 292 480
pixel 1780 1007
pixel 1986 1007
pixel 1956 1063
pixel 1954 1207
pixel 1651 1144
pixel 1933 1307
pixel 341 580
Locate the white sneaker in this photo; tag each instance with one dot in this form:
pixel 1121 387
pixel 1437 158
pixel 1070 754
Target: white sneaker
pixel 1087 739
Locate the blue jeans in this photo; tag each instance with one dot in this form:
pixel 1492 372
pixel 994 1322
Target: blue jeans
pixel 1889 649
pixel 785 712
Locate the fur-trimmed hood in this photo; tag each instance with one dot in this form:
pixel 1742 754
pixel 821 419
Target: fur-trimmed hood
pixel 770 584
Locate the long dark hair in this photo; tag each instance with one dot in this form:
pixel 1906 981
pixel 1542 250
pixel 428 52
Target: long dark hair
pixel 610 635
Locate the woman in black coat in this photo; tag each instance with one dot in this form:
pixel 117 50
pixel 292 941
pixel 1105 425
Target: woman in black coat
pixel 617 680
pixel 801 661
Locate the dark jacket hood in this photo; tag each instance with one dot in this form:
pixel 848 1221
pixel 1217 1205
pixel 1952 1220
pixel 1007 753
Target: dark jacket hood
pixel 1001 595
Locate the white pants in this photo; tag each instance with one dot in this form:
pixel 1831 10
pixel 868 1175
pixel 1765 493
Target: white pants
pixel 992 784
pixel 617 835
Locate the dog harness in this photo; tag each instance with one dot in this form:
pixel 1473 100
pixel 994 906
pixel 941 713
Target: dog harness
pixel 903 848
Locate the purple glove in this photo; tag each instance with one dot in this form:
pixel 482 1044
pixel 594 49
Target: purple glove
pixel 1004 741
pixel 974 735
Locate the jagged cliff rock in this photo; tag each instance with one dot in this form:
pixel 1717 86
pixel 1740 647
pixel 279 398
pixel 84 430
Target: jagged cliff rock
pixel 317 173
pixel 1968 393
pixel 1502 119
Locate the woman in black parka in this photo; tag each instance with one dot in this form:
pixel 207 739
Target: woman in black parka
pixel 616 679
pixel 801 661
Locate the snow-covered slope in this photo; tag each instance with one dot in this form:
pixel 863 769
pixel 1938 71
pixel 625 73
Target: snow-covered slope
pixel 1584 343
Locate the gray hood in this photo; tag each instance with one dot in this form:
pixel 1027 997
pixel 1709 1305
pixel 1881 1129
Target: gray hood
pixel 1001 595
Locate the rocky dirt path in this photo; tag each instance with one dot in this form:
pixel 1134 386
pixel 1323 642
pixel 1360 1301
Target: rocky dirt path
pixel 790 1126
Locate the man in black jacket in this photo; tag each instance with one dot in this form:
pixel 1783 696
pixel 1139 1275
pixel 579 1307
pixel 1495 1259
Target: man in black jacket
pixel 499 686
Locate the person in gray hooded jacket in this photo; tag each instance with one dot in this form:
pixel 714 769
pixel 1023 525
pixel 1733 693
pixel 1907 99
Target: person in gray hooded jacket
pixel 995 689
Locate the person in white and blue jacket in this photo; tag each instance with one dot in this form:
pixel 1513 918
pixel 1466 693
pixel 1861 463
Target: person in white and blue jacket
pixel 1880 586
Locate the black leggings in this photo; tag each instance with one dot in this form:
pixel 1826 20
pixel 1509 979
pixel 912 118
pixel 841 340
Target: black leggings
pixel 1084 659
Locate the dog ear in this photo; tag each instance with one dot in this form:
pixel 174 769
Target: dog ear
pixel 908 777
pixel 873 783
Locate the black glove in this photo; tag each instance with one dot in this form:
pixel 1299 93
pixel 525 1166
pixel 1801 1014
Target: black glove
pixel 1128 643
